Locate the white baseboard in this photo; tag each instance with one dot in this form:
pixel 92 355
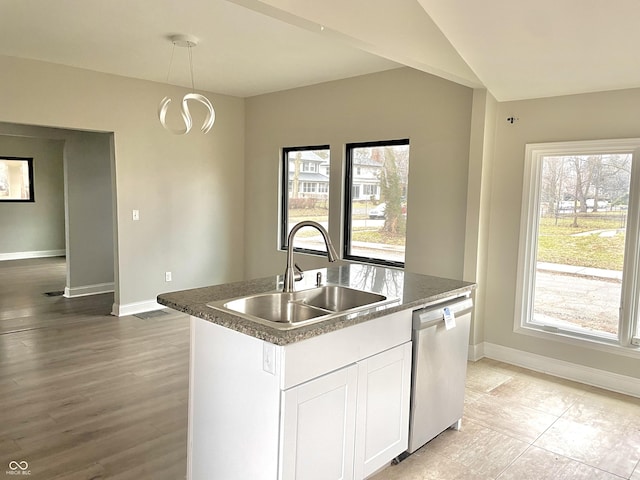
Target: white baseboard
pixel 559 368
pixel 476 352
pixel 123 310
pixel 88 290
pixel 34 254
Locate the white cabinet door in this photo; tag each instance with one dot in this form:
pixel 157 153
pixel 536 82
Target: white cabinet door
pixel 382 425
pixel 318 428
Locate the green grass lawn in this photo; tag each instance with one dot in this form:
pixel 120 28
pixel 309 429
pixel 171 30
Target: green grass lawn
pixel 586 223
pixel 557 243
pixel 363 234
pixel 320 214
pixel 376 236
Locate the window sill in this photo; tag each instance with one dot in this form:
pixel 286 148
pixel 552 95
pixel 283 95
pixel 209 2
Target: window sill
pixel 374 261
pixel 566 338
pixel 304 251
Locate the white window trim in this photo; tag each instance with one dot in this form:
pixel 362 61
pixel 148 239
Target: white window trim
pixel 528 246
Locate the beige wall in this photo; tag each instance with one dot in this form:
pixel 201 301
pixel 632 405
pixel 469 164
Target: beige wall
pixel 89 211
pixel 578 117
pixel 403 103
pixel 189 189
pixel 37 226
pixel 481 154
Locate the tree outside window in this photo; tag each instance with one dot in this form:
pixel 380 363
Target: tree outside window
pixel 375 229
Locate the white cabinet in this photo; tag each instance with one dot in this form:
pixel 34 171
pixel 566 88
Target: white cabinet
pixel 349 423
pixel 318 428
pixel 334 406
pixel 382 422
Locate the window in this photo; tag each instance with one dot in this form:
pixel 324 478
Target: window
pixel 16 179
pixel 579 241
pixel 309 166
pixel 375 228
pixel 308 187
pixel 370 190
pixel 307 197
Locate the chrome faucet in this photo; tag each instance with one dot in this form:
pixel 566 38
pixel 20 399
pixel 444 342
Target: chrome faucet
pixel 289 275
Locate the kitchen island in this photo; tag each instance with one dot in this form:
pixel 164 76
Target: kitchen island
pixel 320 401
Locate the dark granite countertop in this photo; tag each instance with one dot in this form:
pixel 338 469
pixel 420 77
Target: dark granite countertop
pixel 411 290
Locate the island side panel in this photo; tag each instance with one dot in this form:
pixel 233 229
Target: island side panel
pixel 234 406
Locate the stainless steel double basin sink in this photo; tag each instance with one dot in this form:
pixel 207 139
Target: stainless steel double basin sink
pixel 285 310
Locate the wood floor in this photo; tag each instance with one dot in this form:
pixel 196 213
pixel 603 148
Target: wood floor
pixel 85 395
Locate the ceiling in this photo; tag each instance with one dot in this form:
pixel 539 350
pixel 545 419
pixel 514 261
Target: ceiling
pixel 516 50
pixel 542 48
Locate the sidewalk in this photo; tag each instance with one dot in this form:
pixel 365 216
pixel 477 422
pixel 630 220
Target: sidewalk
pixel 580 271
pixel 585 301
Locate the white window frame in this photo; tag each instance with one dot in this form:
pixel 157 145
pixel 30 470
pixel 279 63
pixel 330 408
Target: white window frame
pixel 529 223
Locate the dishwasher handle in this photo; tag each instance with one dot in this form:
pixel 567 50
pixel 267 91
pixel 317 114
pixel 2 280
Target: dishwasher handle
pixel 432 315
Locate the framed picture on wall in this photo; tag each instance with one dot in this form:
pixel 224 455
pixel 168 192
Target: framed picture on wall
pixel 16 179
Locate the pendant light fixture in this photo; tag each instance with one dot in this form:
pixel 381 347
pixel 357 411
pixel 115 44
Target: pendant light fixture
pixel 189 42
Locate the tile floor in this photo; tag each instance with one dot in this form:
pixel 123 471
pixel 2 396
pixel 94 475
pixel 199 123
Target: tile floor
pixel 522 425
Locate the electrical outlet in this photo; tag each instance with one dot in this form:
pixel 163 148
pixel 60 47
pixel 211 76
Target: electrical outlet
pixel 167 276
pixel 136 215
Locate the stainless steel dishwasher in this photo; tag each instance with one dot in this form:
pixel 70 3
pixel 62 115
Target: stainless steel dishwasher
pixel 440 346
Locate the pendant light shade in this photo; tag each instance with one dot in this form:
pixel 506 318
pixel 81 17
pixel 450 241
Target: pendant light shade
pixel 189 42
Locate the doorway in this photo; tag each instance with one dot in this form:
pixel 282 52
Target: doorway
pixel 72 217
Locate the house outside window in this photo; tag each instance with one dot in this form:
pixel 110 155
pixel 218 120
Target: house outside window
pixel 580 242
pixel 376 206
pixel 306 172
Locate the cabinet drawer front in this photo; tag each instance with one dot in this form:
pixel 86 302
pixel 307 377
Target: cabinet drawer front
pixel 319 355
